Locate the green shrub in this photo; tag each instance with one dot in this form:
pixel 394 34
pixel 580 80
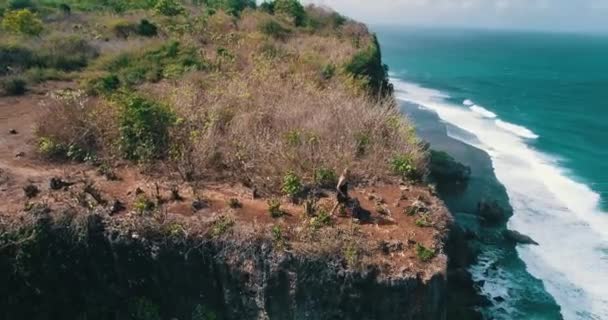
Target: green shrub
pixel 144 128
pixel 104 84
pixel 274 29
pixel 14 56
pixel 202 313
pixel 351 254
pixel 277 237
pixel 146 28
pixel 423 253
pixel 169 7
pixel 292 185
pixel 402 165
pixel 22 21
pixel 323 219
pixel 143 309
pixel 367 66
pixel 166 61
pixel 292 9
pixel 143 205
pixel 274 208
pixel 328 71
pixel 20 4
pixel 424 221
pixel 65 9
pixel 122 28
pixel 51 149
pixel 326 178
pixel 13 86
pixel 232 7
pixel 221 226
pixel 66 53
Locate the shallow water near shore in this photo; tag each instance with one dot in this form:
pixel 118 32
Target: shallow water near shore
pixel 535 105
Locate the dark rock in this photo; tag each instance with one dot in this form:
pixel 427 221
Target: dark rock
pixel 139 191
pixel 57 184
pixel 498 299
pixel 460 278
pixel 518 238
pixel 13 131
pixel 388 247
pixel 199 204
pixel 359 212
pixel 445 170
pixel 117 207
pixel 31 191
pixel 20 154
pixel 491 213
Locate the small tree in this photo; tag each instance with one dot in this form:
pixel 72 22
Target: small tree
pixel 291 8
pixel 22 21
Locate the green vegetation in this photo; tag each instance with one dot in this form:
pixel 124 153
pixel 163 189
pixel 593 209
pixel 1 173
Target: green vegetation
pixel 367 66
pixel 274 208
pixel 168 7
pixel 202 313
pixel 274 29
pixel 424 221
pixel 22 21
pixel 221 226
pixel 290 8
pixel 326 178
pixel 143 205
pixel 402 165
pixel 322 219
pixel 277 237
pixel 13 86
pixel 423 253
pixel 234 203
pixel 144 128
pixel 292 185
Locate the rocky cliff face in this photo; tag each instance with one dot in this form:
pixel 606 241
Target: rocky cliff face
pixel 75 266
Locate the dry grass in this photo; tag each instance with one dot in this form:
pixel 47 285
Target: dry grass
pixel 264 107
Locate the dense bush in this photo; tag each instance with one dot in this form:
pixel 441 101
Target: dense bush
pixel 144 128
pixel 367 66
pixel 233 7
pixel 20 4
pixel 14 57
pixel 13 86
pixel 290 8
pixel 168 7
pixel 274 29
pixel 22 21
pixel 146 28
pixel 66 53
pixel 167 61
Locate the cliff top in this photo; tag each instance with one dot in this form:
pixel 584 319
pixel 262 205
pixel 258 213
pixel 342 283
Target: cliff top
pixel 220 121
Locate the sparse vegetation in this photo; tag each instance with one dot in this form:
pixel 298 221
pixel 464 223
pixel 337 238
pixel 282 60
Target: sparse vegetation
pixel 274 208
pixel 234 203
pixel 221 226
pixel 292 185
pixel 423 253
pixel 322 219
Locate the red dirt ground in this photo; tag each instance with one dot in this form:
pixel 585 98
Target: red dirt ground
pixel 20 166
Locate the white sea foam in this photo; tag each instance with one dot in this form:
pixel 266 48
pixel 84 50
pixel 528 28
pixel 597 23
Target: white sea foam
pixel 483 111
pixel 517 130
pixel 468 103
pixel 558 212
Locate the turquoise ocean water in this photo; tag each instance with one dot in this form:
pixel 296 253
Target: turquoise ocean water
pixel 537 104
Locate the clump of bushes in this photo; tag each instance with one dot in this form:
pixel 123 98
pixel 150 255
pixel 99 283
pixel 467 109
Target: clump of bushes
pixel 146 28
pixel 290 8
pixel 221 226
pixel 274 29
pixel 13 86
pixel 132 68
pixel 325 178
pixel 168 8
pixel 323 219
pixel 366 66
pixel 403 166
pixel 123 28
pixel 274 208
pixel 292 185
pixel 22 21
pixel 144 128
